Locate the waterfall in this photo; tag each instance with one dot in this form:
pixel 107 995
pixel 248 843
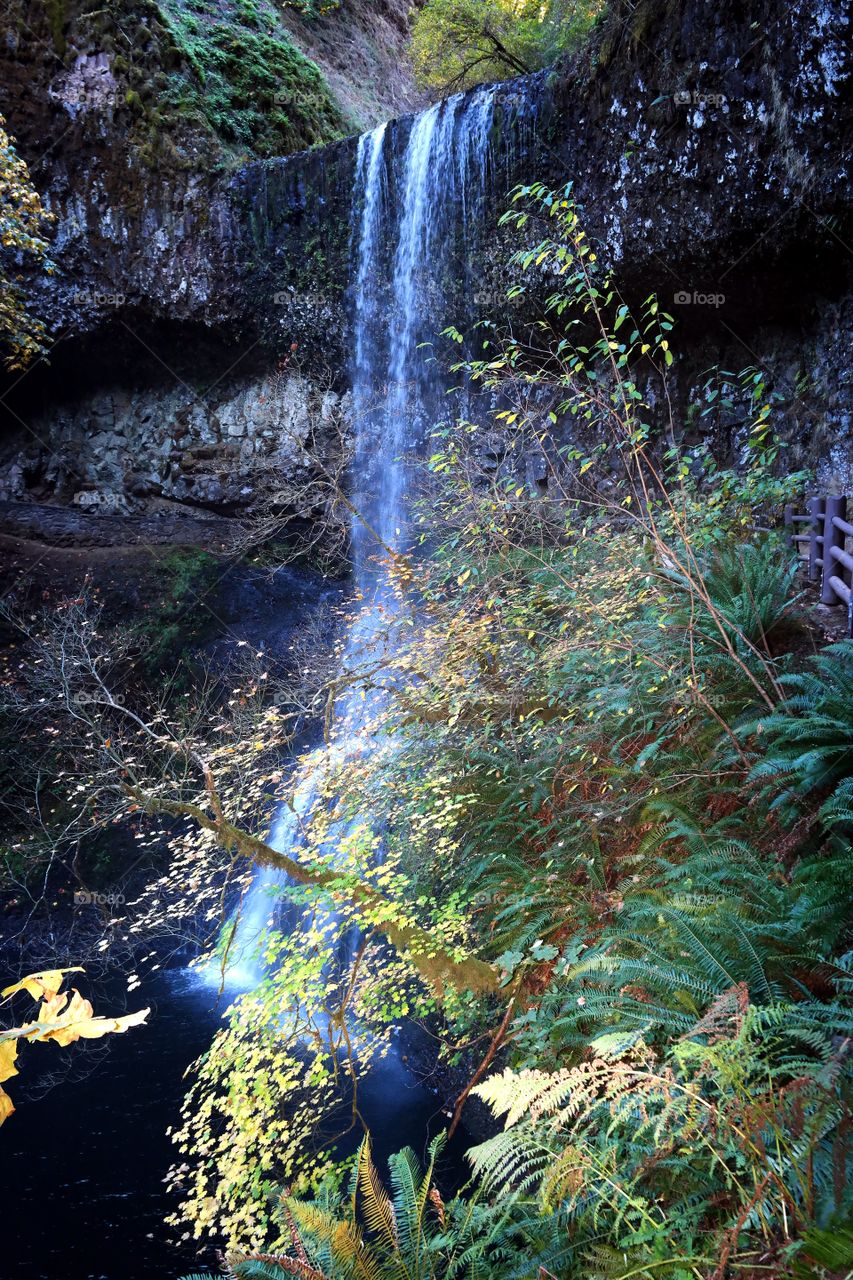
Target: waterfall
pixel 415 212
pixel 370 184
pixel 406 252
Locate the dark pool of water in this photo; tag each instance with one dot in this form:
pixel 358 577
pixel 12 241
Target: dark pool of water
pixel 82 1165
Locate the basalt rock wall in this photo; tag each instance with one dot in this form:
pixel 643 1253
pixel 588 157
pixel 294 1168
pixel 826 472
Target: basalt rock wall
pixel 708 145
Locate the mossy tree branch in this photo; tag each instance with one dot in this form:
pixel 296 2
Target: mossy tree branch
pixel 436 965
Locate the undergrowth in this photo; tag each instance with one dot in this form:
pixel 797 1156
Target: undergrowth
pixel 601 805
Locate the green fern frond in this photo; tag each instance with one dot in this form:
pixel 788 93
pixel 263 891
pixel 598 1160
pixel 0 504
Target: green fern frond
pixel 373 1200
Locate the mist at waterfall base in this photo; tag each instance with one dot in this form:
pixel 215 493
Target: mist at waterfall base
pixel 85 1161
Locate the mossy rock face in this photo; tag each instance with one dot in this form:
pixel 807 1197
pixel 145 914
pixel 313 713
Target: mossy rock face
pixel 174 622
pixel 235 71
pixel 224 76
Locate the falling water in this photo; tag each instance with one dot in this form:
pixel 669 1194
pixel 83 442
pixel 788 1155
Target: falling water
pixel 371 188
pixel 416 210
pixel 444 174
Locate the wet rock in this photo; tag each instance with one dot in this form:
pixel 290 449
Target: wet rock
pixel 706 151
pixel 114 451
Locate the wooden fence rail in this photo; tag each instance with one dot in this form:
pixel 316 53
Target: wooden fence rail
pixel 826 555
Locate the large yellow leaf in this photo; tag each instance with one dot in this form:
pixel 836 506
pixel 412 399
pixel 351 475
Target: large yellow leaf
pixel 78 1023
pixel 6 1106
pixel 8 1054
pixel 51 1007
pixel 40 984
pixel 62 1017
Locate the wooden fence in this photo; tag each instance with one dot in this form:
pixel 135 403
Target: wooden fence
pixel 826 556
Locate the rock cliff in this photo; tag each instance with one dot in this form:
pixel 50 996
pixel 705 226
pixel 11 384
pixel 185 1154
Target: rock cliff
pixel 707 143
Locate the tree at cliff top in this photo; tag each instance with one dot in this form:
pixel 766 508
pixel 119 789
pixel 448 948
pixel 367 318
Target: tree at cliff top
pixel 22 220
pixel 457 45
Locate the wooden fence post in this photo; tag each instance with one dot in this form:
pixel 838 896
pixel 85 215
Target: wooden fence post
pixel 789 524
pixel 817 512
pixel 832 537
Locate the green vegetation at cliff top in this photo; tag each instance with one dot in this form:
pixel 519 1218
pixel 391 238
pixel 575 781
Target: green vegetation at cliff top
pixel 457 44
pixel 240 74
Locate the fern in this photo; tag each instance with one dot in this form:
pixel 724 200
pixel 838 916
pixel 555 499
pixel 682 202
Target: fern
pixel 808 740
pixel 732 1106
pixel 826 1250
pixel 411 1235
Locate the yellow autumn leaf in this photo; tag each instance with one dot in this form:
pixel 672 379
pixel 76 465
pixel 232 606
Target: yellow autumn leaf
pixel 39 984
pixel 79 1023
pixel 6 1106
pixel 60 1018
pixel 50 1009
pixel 8 1054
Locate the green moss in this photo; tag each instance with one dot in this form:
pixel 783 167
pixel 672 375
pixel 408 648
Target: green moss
pixel 239 74
pixel 252 16
pixel 220 73
pixel 56 17
pixel 173 624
